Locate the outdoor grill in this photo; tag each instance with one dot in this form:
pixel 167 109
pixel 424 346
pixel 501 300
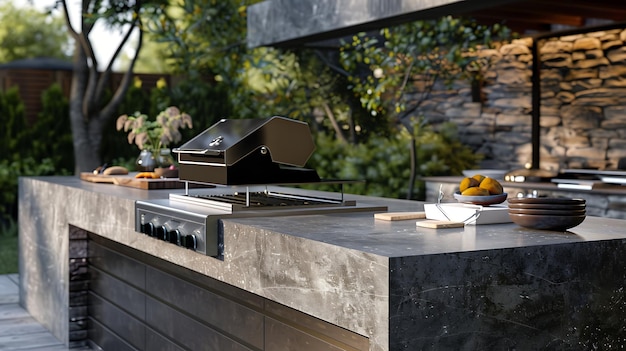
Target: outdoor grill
pixel 249 151
pixel 247 166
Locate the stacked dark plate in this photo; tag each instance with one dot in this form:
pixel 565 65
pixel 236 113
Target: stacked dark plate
pixel 550 213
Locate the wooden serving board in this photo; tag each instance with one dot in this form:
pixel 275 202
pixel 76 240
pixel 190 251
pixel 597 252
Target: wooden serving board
pixel 129 180
pixel 435 224
pixel 399 216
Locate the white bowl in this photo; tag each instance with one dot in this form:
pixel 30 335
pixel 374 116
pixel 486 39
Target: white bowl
pixel 497 174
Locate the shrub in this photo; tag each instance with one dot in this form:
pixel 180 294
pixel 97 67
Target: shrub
pixel 13 120
pixel 45 148
pixel 384 163
pixel 51 137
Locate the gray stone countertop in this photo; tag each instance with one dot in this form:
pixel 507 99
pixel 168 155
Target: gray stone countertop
pixel 363 233
pixel 360 231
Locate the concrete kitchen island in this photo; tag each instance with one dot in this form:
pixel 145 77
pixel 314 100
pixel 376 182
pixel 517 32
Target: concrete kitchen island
pixel 388 285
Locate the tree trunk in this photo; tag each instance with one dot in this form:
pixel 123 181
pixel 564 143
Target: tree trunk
pixel 86 155
pixel 333 121
pixel 88 113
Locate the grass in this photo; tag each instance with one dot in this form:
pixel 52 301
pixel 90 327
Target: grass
pixel 8 249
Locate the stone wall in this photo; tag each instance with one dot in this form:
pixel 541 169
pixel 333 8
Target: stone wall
pixel 583 103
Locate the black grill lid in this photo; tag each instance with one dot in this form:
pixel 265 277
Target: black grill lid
pixel 249 151
pixel 288 141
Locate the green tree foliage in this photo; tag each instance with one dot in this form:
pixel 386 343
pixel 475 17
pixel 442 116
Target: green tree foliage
pixel 50 137
pixel 402 64
pixel 44 148
pixel 206 41
pixel 136 99
pixel 206 101
pixel 394 71
pixel 383 162
pixel 26 32
pixel 152 57
pixel 13 122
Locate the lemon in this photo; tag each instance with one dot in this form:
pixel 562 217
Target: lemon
pixel 475 191
pixel 492 186
pixel 478 177
pixel 468 183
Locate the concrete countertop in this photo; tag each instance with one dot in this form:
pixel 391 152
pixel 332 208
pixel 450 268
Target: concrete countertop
pixel 360 231
pixel 342 268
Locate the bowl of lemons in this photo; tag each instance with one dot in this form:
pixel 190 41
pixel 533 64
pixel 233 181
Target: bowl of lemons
pixel 480 190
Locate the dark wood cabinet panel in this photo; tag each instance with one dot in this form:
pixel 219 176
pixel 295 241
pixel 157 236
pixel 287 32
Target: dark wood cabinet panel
pixel 118 265
pixel 187 331
pixel 282 337
pixel 157 342
pixel 211 308
pixel 104 339
pixel 119 324
pixel 122 295
pixel 326 331
pixel 138 302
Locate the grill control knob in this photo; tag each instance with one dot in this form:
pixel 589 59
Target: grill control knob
pixel 175 237
pixel 148 229
pixel 162 233
pixel 190 241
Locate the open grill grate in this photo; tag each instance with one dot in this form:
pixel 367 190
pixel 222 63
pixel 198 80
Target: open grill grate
pixel 262 200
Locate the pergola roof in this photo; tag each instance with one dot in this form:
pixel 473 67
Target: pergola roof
pixel 305 22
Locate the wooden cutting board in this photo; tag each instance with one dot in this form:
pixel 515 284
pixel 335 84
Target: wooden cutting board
pixel 435 224
pixel 399 216
pixel 129 180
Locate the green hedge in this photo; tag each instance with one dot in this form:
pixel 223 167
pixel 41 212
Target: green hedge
pixel 383 163
pixel 44 148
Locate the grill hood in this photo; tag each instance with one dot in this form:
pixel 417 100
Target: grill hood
pixel 249 151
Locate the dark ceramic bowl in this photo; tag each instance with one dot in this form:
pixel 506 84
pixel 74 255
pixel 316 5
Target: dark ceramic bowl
pixel 545 212
pixel 547 206
pixel 547 200
pixel 560 223
pixel 166 172
pixel 481 200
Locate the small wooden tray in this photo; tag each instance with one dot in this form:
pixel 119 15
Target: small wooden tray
pixel 129 180
pixel 399 216
pixel 435 224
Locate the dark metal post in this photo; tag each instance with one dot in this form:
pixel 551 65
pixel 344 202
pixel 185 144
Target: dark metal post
pixel 536 105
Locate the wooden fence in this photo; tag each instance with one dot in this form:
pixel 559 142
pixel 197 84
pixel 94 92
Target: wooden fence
pixel 33 76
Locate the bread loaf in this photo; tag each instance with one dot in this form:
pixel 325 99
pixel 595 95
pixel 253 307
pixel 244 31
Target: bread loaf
pixel 115 170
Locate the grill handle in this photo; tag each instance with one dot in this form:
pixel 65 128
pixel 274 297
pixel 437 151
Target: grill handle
pixel 208 152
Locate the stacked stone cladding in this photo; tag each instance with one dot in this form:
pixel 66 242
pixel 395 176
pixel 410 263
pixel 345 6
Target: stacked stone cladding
pixel 583 103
